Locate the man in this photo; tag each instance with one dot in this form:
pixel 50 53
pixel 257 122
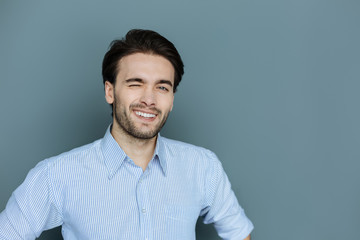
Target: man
pixel 133 183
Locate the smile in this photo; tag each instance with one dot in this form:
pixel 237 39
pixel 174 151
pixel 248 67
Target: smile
pixel 145 115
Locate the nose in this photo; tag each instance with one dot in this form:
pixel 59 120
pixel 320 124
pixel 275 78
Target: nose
pixel 148 97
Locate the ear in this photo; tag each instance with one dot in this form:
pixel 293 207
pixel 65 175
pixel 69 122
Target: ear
pixel 109 92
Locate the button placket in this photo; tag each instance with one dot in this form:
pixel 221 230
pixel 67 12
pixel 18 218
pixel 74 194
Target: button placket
pixel 143 206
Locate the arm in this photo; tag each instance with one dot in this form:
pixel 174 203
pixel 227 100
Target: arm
pixel 31 208
pixel 222 207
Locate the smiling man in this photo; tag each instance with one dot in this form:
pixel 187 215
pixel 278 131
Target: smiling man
pixel 142 96
pixel 132 183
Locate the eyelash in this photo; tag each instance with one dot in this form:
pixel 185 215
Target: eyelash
pixel 163 88
pixel 160 87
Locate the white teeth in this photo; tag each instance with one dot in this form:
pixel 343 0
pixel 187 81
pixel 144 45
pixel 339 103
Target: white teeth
pixel 147 115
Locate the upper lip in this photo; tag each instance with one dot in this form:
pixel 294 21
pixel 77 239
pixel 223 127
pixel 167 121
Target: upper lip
pixel 144 111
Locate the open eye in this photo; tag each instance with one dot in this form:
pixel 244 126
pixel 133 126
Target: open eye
pixel 163 88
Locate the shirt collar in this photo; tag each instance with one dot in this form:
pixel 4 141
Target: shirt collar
pixel 114 156
pixel 160 153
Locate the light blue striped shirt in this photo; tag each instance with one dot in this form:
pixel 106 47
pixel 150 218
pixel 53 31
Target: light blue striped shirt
pixel 97 192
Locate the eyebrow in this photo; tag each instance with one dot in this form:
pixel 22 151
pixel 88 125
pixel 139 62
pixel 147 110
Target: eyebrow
pixel 166 82
pixel 134 80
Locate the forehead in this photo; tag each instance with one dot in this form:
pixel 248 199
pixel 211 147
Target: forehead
pixel 146 66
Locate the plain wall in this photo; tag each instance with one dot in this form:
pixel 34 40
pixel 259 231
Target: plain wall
pixel 272 87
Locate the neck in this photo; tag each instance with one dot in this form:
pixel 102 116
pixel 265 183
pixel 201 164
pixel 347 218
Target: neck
pixel 139 150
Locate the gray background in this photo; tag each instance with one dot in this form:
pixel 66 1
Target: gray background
pixel 270 86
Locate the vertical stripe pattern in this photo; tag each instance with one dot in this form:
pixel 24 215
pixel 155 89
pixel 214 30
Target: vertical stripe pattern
pixel 97 192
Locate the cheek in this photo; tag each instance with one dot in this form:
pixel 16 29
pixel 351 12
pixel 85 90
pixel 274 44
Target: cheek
pixel 130 98
pixel 167 103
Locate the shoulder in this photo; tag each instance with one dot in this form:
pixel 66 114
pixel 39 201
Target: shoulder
pixel 66 168
pixel 187 152
pixel 183 147
pixel 192 164
pixel 88 152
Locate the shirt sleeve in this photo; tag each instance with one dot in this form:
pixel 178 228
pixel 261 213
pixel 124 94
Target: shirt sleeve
pixel 31 208
pixel 221 205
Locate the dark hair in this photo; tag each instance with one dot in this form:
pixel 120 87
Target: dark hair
pixel 141 41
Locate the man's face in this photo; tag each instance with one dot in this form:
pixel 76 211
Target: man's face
pixel 142 96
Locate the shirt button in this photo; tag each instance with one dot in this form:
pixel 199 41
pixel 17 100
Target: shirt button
pixel 143 210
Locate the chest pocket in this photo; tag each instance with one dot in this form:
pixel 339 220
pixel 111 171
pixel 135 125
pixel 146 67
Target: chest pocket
pixel 176 221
